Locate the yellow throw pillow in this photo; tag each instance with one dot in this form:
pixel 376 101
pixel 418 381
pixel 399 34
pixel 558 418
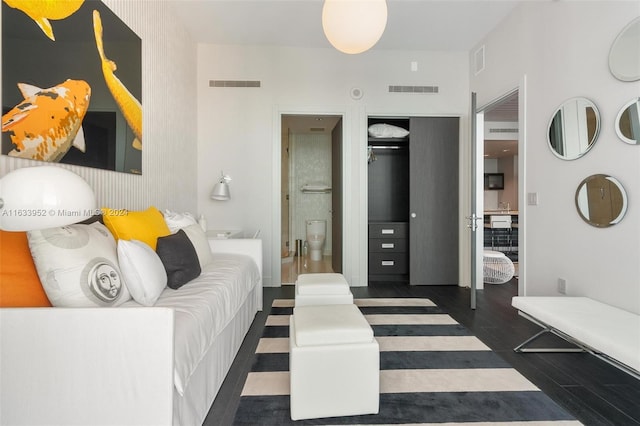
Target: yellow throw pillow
pixel 145 226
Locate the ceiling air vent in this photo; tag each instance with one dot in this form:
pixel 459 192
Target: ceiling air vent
pixel 501 130
pixel 413 89
pixel 316 129
pixel 234 83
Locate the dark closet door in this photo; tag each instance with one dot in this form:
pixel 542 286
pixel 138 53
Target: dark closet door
pixel 433 195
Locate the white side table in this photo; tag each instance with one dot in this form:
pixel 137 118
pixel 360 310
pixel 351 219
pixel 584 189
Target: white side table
pixel 224 234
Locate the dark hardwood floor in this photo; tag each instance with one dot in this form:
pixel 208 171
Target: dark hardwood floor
pixel 595 392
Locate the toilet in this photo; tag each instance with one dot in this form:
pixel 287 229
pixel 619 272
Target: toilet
pixel 316 232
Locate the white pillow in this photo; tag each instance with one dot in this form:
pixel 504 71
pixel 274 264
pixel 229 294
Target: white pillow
pixel 200 242
pixel 78 265
pixel 382 130
pixel 176 221
pixel 142 270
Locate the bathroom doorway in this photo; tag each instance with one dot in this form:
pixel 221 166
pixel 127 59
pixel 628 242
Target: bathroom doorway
pixel 311 190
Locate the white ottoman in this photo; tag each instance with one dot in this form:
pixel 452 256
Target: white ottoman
pixel 334 363
pixel 322 289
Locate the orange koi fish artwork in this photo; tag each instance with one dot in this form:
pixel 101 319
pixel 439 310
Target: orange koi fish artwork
pixel 41 11
pixel 49 121
pixel 128 104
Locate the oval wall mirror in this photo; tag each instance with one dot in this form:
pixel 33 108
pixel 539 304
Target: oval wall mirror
pixel 628 122
pixel 574 128
pixel 624 56
pixel 601 200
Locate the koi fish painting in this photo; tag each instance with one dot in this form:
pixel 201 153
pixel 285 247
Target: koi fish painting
pixel 128 104
pixel 49 121
pixel 41 11
pixel 79 78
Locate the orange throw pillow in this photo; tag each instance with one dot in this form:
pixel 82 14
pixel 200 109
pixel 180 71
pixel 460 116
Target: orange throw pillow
pixel 19 282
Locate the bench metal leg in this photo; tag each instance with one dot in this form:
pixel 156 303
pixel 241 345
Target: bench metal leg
pixel 521 347
pixel 581 347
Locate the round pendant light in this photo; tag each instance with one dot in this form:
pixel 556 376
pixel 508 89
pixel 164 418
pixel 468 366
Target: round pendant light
pixel 354 26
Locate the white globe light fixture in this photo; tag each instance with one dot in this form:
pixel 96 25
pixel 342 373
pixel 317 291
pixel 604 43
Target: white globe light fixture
pixel 354 26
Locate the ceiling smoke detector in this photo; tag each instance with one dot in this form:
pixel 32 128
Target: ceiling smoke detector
pixel 356 93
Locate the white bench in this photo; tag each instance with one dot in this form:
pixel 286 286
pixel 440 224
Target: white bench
pixel 610 333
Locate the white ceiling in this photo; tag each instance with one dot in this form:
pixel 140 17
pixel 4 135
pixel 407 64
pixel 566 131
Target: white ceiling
pixel 444 25
pixel 309 123
pixel 500 149
pixel 411 24
pixel 504 110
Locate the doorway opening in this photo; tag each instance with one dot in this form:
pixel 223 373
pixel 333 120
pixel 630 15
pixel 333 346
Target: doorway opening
pixel 311 195
pixel 501 179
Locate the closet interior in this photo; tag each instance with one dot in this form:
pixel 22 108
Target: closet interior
pixel 388 208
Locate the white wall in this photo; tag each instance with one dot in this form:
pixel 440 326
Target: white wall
pixel 509 166
pixel 494 198
pixel 562 48
pixel 169 117
pixel 239 128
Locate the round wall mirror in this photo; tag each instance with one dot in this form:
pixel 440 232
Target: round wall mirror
pixel 628 122
pixel 601 200
pixel 624 56
pixel 574 128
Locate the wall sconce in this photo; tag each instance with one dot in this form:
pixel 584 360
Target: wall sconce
pixel 221 189
pixel 44 197
pixel 354 26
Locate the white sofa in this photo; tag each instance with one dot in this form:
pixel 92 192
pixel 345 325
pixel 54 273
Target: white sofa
pixel 131 365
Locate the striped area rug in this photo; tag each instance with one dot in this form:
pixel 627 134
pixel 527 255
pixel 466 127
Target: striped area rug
pixel 432 371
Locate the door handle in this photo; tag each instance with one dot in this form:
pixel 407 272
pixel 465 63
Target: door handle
pixel 473 221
